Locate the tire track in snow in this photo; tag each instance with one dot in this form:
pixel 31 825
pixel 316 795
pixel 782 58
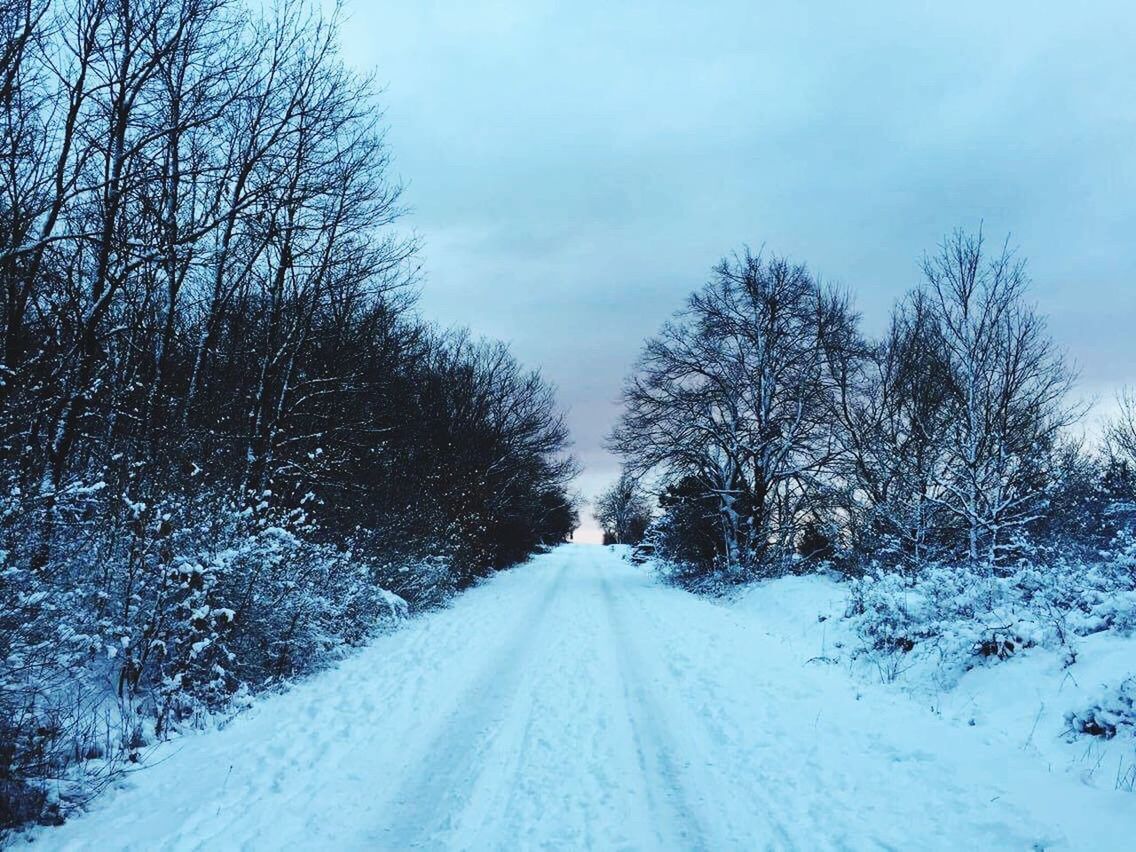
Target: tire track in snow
pixel 733 807
pixel 721 718
pixel 565 771
pixel 666 795
pixel 431 801
pixel 531 799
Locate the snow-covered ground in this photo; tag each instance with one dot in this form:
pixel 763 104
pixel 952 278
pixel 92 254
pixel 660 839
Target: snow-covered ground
pixel 576 702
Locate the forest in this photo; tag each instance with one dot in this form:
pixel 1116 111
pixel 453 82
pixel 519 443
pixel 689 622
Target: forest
pixel 229 447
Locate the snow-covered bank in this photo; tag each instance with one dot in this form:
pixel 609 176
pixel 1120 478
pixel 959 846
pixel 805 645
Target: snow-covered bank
pixel 1032 701
pixel 577 702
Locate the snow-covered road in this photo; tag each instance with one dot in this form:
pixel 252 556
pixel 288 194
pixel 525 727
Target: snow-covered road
pixel 576 703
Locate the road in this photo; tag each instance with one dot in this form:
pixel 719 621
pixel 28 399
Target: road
pixel 577 703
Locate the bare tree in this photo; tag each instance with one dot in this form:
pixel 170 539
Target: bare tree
pixel 890 414
pixel 736 392
pixel 1006 393
pixel 623 510
pixel 1120 431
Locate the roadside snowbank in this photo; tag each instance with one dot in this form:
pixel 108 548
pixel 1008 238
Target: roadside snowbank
pixel 1037 699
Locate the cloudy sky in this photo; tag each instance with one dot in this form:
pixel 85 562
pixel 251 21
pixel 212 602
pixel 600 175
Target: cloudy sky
pixel 576 168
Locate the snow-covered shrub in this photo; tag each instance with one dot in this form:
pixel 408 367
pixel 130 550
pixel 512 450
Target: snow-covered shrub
pixel 694 576
pixel 1116 612
pixel 425 580
pixel 156 617
pixel 891 615
pixel 233 603
pixel 1113 712
pixel 964 617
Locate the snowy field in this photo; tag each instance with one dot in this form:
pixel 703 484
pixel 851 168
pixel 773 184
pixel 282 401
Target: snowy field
pixel 576 702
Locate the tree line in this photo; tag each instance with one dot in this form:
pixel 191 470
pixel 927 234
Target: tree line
pixel 224 433
pixel 777 434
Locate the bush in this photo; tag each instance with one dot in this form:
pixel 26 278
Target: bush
pixel 1113 712
pixel 153 619
pixel 966 616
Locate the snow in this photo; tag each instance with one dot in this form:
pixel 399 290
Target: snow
pixel 577 702
pixel 1023 703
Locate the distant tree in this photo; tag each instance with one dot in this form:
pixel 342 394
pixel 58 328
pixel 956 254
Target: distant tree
pixel 1090 501
pixel 1120 463
pixel 951 426
pixel 1120 431
pixel 687 530
pixel 623 511
pixel 559 516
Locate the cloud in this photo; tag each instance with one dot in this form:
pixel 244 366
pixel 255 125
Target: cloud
pixel 576 169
